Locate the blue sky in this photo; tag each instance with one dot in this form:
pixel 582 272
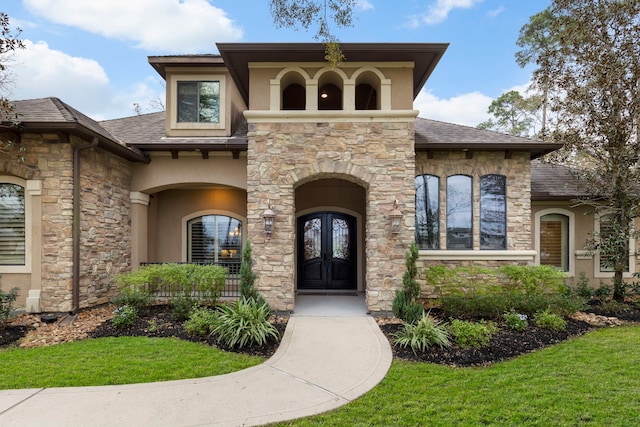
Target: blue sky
pixel 92 54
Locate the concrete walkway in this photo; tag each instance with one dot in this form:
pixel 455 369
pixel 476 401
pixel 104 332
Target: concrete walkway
pixel 326 359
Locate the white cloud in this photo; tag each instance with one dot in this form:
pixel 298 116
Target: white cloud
pixel 176 26
pixel 439 11
pixel 39 72
pixel 364 5
pixel 469 109
pixel 495 12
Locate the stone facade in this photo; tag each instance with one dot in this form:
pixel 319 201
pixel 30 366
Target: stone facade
pixel 378 156
pixel 105 224
pixel 516 167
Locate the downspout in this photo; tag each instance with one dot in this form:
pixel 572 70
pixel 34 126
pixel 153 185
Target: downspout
pixel 75 305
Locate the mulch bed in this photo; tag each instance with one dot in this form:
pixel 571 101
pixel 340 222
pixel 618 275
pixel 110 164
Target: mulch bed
pixel 506 344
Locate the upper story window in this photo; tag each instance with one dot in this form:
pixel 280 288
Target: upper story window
pixel 493 212
pixel 459 212
pixel 427 212
pixel 198 102
pixel 12 225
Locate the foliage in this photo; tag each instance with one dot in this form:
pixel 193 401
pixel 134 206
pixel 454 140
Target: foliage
pixel 248 277
pixel 244 323
pixel 6 304
pixel 461 280
pixel 515 321
pixel 603 292
pixel 405 305
pixel 533 279
pixel 549 320
pixel 204 282
pixel 182 306
pixel 583 288
pixel 201 321
pixel 471 334
pixel 513 114
pixel 588 60
pixel 427 332
pixel 308 13
pixel 133 297
pixel 124 317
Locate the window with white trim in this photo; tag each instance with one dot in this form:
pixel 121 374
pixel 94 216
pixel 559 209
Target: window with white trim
pixel 606 233
pixel 554 240
pixel 12 225
pixel 214 239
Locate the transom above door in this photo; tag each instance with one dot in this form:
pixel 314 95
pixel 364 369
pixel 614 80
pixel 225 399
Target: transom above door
pixel 327 251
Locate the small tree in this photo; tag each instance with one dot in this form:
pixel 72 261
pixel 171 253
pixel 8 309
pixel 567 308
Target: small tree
pixel 6 304
pixel 405 305
pixel 248 277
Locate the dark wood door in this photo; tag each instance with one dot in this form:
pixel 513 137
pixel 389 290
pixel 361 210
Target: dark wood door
pixel 327 251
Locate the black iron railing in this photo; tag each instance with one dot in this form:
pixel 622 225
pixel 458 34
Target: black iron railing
pixel 232 281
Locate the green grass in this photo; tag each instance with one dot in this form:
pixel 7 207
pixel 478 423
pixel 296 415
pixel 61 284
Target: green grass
pixel 593 380
pixel 123 360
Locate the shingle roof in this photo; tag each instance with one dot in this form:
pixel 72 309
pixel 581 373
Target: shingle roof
pixel 147 132
pixel 51 114
pixel 551 181
pixel 436 135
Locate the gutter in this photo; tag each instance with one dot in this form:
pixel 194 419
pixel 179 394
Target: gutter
pixel 75 305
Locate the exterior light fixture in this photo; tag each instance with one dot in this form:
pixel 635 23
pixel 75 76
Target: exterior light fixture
pixel 395 216
pixel 267 217
pixel 324 95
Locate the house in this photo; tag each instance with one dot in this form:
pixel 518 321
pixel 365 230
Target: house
pixel 328 171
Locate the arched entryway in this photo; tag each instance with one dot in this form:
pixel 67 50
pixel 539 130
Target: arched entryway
pixel 330 235
pixel 327 251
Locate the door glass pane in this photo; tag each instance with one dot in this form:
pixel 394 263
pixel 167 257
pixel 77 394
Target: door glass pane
pixel 312 238
pixel 427 212
pixel 340 239
pixel 554 241
pixel 493 212
pixel 459 212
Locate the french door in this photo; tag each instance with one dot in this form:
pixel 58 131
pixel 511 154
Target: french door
pixel 327 251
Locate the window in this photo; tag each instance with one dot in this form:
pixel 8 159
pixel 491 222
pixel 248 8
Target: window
pixel 493 212
pixel 12 225
pixel 607 239
pixel 427 212
pixel 198 102
pixel 214 239
pixel 459 212
pixel 554 241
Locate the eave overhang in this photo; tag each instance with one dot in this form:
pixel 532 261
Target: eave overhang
pixel 536 149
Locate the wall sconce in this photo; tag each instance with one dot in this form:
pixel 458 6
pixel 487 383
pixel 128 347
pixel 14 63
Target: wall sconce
pixel 267 217
pixel 395 216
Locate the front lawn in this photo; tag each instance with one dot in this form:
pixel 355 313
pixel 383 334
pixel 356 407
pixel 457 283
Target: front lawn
pixel 592 380
pixel 122 360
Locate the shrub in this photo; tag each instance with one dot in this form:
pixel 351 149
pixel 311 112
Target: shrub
pixel 405 305
pixel 462 280
pixel 426 333
pixel 583 288
pixel 472 334
pixel 6 304
pixel 201 322
pixel 604 292
pixel 244 323
pixel 125 316
pixel 533 279
pixel 515 321
pixel 133 297
pixel 182 306
pixel 248 277
pixel 548 320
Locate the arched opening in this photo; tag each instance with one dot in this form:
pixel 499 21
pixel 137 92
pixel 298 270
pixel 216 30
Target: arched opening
pixel 294 97
pixel 294 93
pixel 330 91
pixel 366 97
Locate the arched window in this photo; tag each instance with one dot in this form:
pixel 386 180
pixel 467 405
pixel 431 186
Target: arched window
pixel 12 225
pixel 459 212
pixel 329 97
pixel 294 97
pixel 554 240
pixel 493 212
pixel 214 239
pixel 366 97
pixel 427 211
